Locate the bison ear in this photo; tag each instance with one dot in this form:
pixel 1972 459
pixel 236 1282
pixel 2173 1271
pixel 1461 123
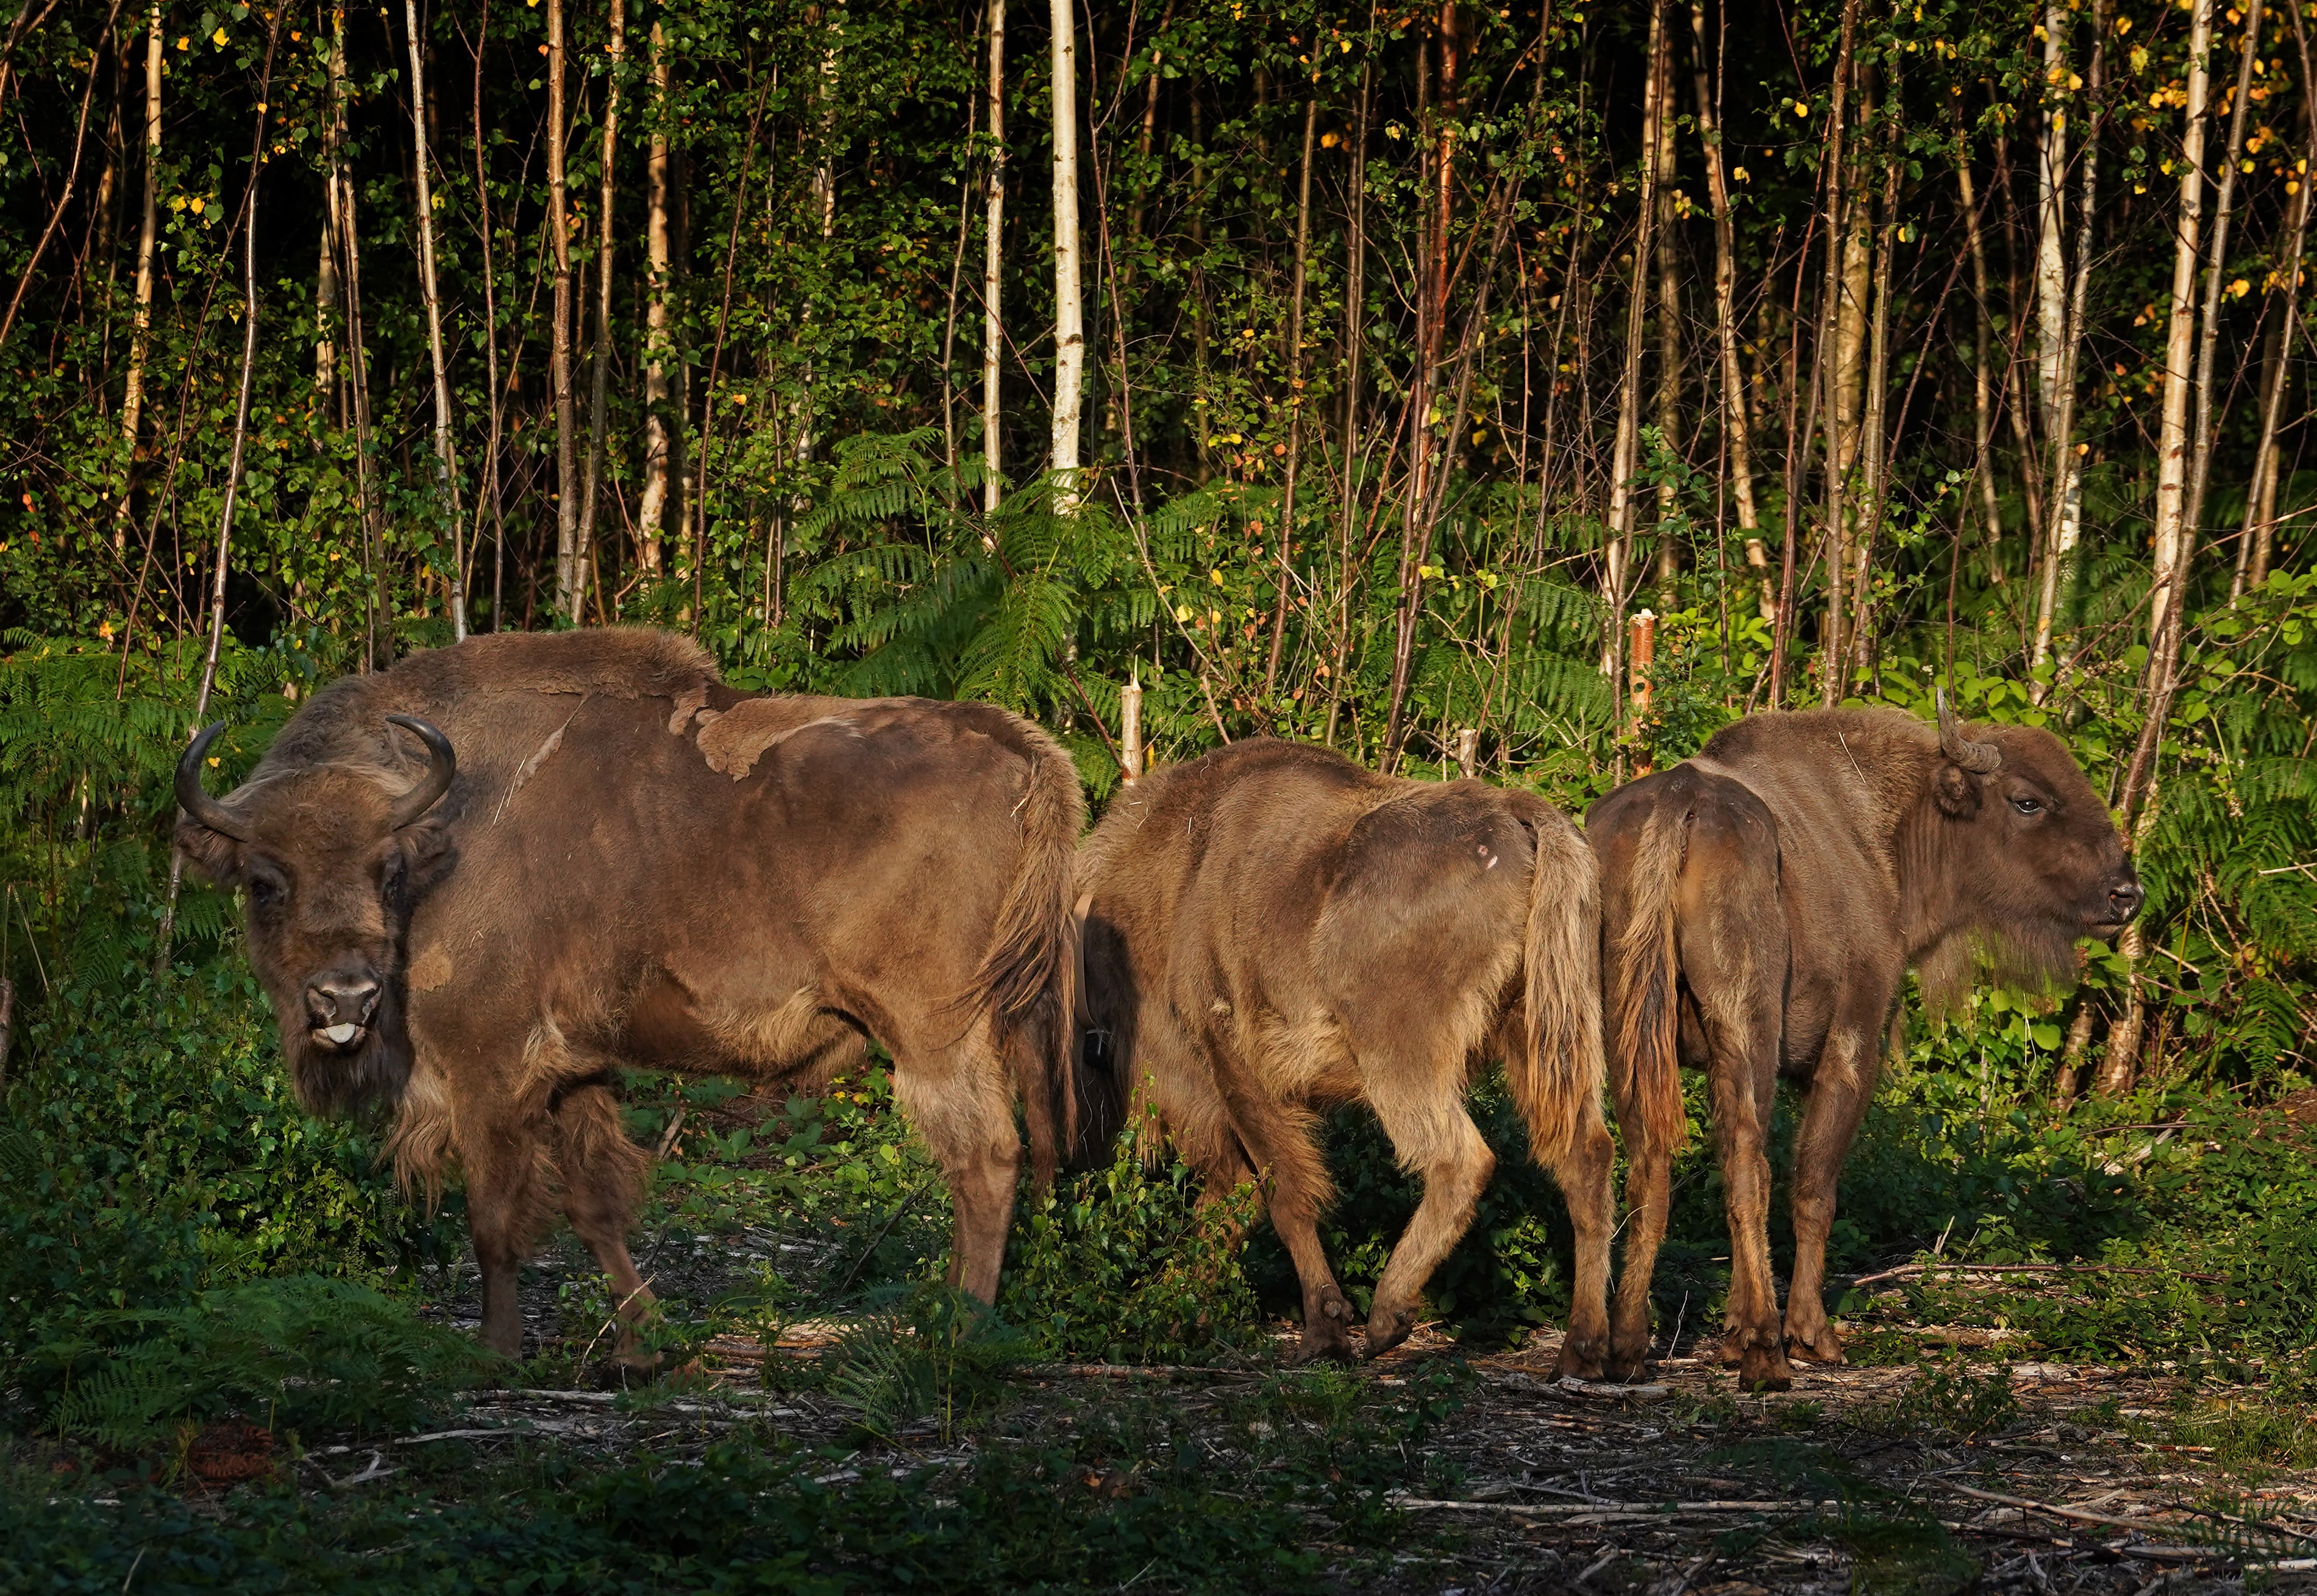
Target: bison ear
pixel 427 851
pixel 212 854
pixel 1956 792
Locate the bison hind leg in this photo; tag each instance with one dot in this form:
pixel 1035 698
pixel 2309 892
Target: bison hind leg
pixel 961 1099
pixel 1422 1110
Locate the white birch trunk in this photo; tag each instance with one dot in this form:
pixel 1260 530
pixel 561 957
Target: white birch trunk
pixel 652 514
pixel 2173 532
pixel 1069 328
pixel 993 326
pixel 445 466
pixel 132 400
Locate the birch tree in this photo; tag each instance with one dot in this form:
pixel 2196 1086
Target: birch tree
pixel 652 512
pixel 2175 535
pixel 132 399
pixel 993 324
pixel 446 471
pixel 1069 326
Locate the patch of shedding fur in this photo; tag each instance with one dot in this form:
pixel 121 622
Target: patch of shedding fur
pixel 539 755
pixel 430 970
pixel 737 739
pixel 688 704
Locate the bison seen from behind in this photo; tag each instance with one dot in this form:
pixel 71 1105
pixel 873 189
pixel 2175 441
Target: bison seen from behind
pixel 1271 929
pixel 1762 903
pixel 480 882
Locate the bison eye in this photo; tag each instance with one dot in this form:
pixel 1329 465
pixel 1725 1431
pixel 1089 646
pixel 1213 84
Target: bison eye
pixel 265 892
pixel 2027 805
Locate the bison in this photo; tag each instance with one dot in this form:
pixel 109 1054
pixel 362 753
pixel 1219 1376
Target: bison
pixel 480 882
pixel 1271 929
pixel 1761 903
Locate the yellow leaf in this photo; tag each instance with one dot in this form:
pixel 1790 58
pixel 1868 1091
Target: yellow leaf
pixel 217 38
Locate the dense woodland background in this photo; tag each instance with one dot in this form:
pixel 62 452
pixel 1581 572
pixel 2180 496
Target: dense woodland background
pixel 1581 377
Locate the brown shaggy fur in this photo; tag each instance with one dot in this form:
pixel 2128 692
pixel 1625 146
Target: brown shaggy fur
pixel 1271 930
pixel 607 882
pixel 1761 906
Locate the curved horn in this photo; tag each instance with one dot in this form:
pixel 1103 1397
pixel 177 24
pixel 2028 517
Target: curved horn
pixel 1978 757
pixel 194 800
pixel 442 766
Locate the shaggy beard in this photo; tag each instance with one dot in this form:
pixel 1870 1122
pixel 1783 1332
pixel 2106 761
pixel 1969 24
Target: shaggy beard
pixel 2038 957
pixel 336 1085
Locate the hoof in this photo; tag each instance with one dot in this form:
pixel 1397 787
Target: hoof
pixel 1336 1347
pixel 1620 1369
pixel 1586 1360
pixel 1387 1330
pixel 1825 1346
pixel 1764 1368
pixel 1729 1350
pixel 1327 1329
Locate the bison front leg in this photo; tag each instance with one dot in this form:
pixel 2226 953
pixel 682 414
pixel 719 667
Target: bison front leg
pixel 502 1202
pixel 1840 1092
pixel 603 1175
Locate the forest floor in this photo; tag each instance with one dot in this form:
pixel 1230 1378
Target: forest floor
pixel 1941 1464
pixel 816 1437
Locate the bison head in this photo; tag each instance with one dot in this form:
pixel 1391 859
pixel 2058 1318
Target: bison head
pixel 2028 849
pixel 330 857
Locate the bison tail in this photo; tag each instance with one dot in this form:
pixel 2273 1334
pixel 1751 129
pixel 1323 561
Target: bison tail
pixel 1562 988
pixel 1643 974
pixel 1028 979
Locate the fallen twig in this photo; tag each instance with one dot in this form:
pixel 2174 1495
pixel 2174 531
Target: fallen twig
pixel 1579 1510
pixel 2052 1510
pixel 1906 1270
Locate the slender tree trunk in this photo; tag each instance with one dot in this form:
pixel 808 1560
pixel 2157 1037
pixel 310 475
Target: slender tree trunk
pixel 993 256
pixel 2175 540
pixel 956 282
pixel 1734 417
pixel 491 497
pixel 1070 324
pixel 1624 452
pixel 1669 404
pixel 2216 260
pixel 1871 456
pixel 133 400
pixel 601 376
pixel 652 514
pixel 1432 315
pixel 1286 528
pixel 570 555
pixel 2256 538
pixel 234 464
pixel 1354 359
pixel 445 463
pixel 1982 390
pixel 2066 516
pixel 1838 241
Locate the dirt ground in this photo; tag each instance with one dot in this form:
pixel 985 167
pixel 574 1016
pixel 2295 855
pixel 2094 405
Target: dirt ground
pixel 1683 1487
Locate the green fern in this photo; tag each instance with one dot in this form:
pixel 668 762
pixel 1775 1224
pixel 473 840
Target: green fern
pixel 306 1351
